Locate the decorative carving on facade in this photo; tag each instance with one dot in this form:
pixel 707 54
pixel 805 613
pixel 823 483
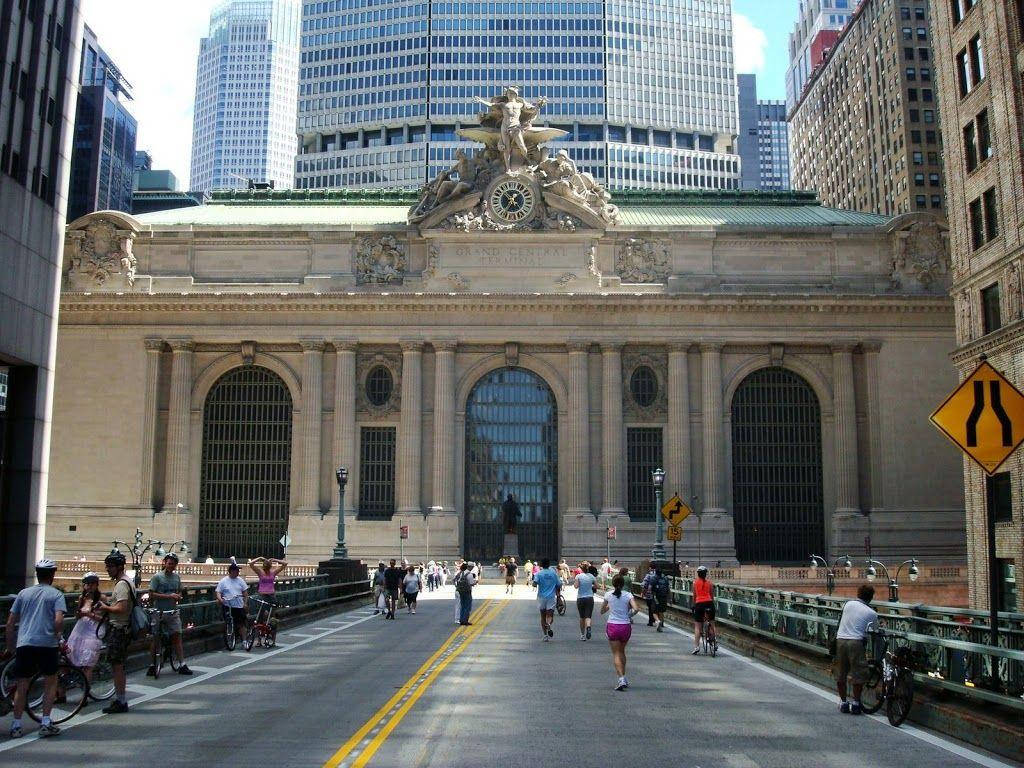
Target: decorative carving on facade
pixel 1011 279
pixel 366 361
pixel 248 349
pixel 379 260
pixel 592 261
pixel 922 254
pixel 643 261
pixel 458 282
pixel 964 317
pixel 511 354
pixel 433 257
pixel 657 411
pixel 512 183
pixel 565 278
pixel 97 254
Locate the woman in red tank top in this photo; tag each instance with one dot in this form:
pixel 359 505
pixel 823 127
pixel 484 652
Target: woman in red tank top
pixel 703 606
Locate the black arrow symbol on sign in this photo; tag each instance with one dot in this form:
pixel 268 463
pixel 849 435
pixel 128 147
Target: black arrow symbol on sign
pixel 997 408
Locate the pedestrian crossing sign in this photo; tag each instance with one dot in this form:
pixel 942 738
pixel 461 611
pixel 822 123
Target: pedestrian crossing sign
pixel 984 417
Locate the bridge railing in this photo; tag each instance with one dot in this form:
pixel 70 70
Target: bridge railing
pixel 951 644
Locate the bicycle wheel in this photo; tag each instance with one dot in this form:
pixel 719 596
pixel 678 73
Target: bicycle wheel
pixel 229 631
pixel 7 681
pixel 172 660
pixel 897 705
pixel 713 642
pixel 101 686
pixel 250 637
pixel 72 693
pixel 270 637
pixel 873 695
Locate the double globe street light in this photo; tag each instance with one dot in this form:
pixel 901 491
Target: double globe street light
pixel 894 587
pixel 817 561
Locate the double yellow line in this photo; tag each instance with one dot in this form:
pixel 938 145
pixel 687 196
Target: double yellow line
pixel 358 750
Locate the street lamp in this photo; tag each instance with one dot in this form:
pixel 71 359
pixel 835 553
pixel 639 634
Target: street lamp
pixel 658 550
pixel 894 586
pixel 340 550
pixel 817 561
pixel 137 550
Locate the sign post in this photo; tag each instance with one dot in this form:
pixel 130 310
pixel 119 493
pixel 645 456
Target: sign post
pixel 675 535
pixel 284 541
pixel 609 535
pixel 403 534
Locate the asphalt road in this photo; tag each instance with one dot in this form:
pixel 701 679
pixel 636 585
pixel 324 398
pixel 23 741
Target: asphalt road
pixel 354 690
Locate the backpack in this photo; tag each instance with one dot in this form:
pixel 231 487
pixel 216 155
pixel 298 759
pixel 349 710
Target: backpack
pixel 462 585
pixel 378 578
pixel 138 621
pixel 661 586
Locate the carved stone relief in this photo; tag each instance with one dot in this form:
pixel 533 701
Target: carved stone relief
pixel 657 361
pixel 379 260
pixel 100 256
pixel 922 254
pixel 964 317
pixel 1012 291
pixel 643 261
pixel 366 361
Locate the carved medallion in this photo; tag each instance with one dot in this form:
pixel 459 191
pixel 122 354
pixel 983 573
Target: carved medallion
pixel 643 261
pixel 921 254
pixel 645 390
pixel 98 254
pixel 379 260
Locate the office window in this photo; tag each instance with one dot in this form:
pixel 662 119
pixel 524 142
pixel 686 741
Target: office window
pixel 905 13
pixel 919 13
pixel 991 219
pixel 908 33
pixel 977 223
pixel 919 158
pixel 984 136
pixel 377 473
pixel 929 115
pixel 643 456
pixel 911 73
pixel 933 179
pixel 915 115
pixel 999 497
pixel 930 137
pixel 936 201
pixel 977 60
pixel 990 318
pixel 970 147
pixel 911 94
pixel 960 9
pixel 922 33
pixel 926 74
pixel 962 74
pixel 919 179
pixel 922 54
pixel 921 201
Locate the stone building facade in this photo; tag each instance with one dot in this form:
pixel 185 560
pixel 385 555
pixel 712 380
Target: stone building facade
pixel 980 60
pixel 778 358
pixel 865 131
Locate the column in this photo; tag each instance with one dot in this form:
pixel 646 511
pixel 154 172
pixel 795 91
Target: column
pixel 410 428
pixel 179 416
pixel 847 497
pixel 871 354
pixel 154 347
pixel 711 407
pixel 612 465
pixel 579 427
pixel 444 425
pixel 345 409
pixel 312 419
pixel 677 448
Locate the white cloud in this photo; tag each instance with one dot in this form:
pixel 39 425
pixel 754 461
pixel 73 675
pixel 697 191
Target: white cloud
pixel 155 45
pixel 749 45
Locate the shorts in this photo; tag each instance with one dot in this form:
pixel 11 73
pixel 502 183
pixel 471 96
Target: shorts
pixel 618 633
pixel 546 604
pixel 410 597
pixel 851 660
pixel 510 579
pixel 170 621
pixel 703 611
pixel 118 640
pixel 240 616
pixel 585 605
pixel 660 606
pixel 391 593
pixel 30 659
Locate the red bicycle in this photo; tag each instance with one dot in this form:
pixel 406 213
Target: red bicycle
pixel 263 627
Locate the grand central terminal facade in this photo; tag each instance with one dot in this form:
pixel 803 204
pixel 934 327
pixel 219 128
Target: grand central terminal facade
pixel 508 329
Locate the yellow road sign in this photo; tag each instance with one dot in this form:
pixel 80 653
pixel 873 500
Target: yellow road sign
pixel 984 416
pixel 675 533
pixel 675 510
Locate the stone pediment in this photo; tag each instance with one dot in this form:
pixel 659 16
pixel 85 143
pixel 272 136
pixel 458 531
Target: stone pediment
pixel 98 253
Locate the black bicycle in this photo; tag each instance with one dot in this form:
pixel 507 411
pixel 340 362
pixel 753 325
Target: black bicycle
pixel 230 636
pixel 890 681
pixel 163 653
pixel 72 691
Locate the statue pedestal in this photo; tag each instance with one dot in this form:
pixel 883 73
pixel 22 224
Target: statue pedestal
pixel 511 545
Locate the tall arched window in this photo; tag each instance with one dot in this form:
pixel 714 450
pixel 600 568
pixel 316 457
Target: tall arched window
pixel 778 504
pixel 246 465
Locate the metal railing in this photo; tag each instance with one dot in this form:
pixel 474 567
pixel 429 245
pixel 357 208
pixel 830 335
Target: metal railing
pixel 950 643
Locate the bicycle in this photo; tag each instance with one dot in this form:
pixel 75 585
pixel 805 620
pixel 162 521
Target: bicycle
pixel 72 691
pixel 162 646
pixel 708 637
pixel 261 632
pixel 230 636
pixel 560 604
pixel 890 681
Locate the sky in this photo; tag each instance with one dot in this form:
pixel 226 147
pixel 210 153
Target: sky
pixel 155 44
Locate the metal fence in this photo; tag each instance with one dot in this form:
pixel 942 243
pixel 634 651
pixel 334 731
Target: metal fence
pixel 951 643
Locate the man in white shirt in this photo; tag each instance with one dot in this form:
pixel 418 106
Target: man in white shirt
pixel 851 638
pixel 232 594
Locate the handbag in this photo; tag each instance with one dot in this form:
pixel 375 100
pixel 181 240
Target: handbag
pixel 138 621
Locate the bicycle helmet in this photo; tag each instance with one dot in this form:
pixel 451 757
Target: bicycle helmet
pixel 171 556
pixel 702 571
pixel 114 558
pixel 46 564
pixel 90 577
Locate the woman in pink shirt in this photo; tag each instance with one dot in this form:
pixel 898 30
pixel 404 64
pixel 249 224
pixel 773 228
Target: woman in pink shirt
pixel 267 569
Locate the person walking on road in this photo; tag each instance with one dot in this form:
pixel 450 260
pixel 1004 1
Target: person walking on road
pixel 647 593
pixel 703 605
pixel 393 577
pixel 510 575
pixel 857 619
pixel 660 590
pixel 164 595
pixel 38 612
pixel 584 583
pixel 411 586
pixel 619 605
pixel 464 583
pixel 233 594
pixel 379 598
pixel 549 586
pixel 118 613
pixel 606 573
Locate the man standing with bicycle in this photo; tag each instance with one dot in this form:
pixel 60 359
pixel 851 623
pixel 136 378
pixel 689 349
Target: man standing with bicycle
pixel 232 594
pixel 851 640
pixel 119 633
pixel 164 596
pixel 39 613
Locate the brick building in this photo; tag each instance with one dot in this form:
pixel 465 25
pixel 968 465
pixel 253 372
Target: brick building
pixel 979 57
pixel 864 131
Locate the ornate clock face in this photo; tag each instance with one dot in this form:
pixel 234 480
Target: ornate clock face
pixel 512 201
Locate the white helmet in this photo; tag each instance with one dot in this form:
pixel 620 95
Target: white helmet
pixel 46 564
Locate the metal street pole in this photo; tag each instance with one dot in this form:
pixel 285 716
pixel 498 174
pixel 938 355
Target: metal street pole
pixel 658 550
pixel 401 541
pixel 340 550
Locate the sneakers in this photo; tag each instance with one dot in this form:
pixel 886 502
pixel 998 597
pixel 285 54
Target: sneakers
pixel 855 709
pixel 151 672
pixel 588 633
pixel 661 625
pixel 695 651
pixel 184 670
pixel 622 684
pixel 551 632
pixel 845 707
pixel 48 730
pixel 16 732
pixel 583 637
pixel 115 707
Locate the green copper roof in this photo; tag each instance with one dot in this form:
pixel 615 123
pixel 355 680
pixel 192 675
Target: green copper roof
pixel 388 208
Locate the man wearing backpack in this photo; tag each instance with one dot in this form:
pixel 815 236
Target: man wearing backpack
pixel 464 583
pixel 660 589
pixel 118 613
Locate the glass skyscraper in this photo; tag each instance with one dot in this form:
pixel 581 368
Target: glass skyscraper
pixel 645 88
pixel 244 123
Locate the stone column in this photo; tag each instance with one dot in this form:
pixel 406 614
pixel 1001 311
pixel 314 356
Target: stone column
pixel 149 407
pixel 845 406
pixel 410 429
pixel 444 425
pixel 871 354
pixel 677 449
pixel 345 408
pixel 179 417
pixel 612 465
pixel 711 407
pixel 312 419
pixel 579 427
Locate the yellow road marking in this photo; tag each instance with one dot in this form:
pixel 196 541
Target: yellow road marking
pixel 387 718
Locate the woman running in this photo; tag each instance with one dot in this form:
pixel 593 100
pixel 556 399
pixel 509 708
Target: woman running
pixel 411 586
pixel 83 645
pixel 620 606
pixel 584 583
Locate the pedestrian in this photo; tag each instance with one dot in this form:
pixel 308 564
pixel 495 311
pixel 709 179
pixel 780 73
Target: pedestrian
pixel 164 595
pixel 703 606
pixel 619 606
pixel 33 631
pixel 411 586
pixel 536 570
pixel 549 586
pixel 118 614
pixel 606 573
pixel 267 569
pixel 232 594
pixel 380 602
pixel 528 571
pixel 510 576
pixel 851 639
pixel 647 594
pixel 464 583
pixel 393 577
pixel 84 645
pixel 660 589
pixel 584 583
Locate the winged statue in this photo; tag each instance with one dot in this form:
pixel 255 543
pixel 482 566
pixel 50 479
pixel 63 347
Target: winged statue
pixel 507 126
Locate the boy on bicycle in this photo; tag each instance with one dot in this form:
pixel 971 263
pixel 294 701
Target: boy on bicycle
pixel 164 595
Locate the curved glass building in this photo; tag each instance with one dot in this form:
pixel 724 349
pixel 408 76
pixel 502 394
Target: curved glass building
pixel 646 88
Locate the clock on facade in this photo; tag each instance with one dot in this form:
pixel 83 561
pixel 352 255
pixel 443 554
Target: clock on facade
pixel 512 201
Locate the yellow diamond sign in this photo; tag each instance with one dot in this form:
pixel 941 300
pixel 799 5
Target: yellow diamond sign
pixel 984 416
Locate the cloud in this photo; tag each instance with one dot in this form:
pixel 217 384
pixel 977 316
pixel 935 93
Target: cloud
pixel 749 45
